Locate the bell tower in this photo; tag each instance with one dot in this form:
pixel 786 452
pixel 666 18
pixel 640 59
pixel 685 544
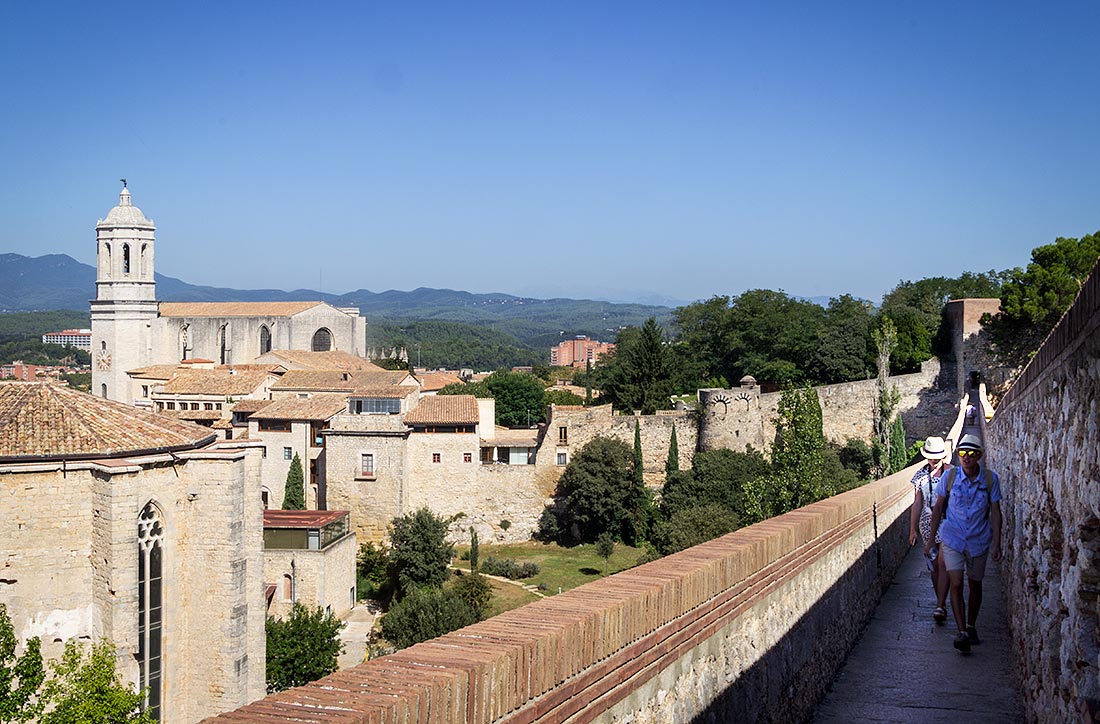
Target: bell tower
pixel 125 304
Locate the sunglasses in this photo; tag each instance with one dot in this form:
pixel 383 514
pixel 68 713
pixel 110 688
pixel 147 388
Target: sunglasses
pixel 970 453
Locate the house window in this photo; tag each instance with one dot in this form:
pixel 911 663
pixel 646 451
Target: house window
pixel 208 405
pixel 150 612
pixel 563 458
pixel 265 498
pixel 171 405
pixel 366 465
pixel 563 435
pixel 436 457
pixel 467 457
pixel 275 425
pixel 376 406
pixel 194 405
pixel 145 391
pixel 322 340
pixel 287 453
pixel 288 587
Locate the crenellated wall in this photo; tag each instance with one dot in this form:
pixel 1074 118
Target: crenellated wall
pixel 752 625
pixel 1044 443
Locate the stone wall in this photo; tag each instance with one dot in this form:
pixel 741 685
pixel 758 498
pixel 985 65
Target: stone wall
pixel 324 578
pixel 750 626
pixel 1044 443
pixel 372 502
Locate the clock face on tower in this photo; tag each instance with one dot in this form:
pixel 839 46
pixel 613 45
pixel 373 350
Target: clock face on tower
pixel 103 360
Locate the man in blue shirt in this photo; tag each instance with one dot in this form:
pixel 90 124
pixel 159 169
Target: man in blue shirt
pixel 968 503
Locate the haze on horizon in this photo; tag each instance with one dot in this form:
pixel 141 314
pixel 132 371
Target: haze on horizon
pixel 573 150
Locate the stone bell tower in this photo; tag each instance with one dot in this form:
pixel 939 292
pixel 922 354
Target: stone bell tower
pixel 125 305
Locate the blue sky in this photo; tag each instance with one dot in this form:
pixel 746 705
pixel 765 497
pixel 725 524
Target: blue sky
pixel 603 150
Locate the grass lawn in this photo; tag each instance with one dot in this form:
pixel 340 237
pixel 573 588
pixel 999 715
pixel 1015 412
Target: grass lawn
pixel 559 567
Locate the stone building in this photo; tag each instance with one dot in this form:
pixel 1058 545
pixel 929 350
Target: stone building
pixel 140 529
pixel 131 329
pixel 309 558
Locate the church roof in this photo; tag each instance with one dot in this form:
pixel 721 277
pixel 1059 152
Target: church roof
pixel 39 420
pixel 339 381
pixel 444 410
pixel 331 360
pixel 318 407
pixel 125 214
pixel 219 381
pixel 234 309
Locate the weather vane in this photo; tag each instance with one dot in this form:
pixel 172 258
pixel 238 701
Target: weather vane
pixel 123 182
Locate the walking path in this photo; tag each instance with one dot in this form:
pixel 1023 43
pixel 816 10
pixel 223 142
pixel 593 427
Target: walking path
pixel 904 668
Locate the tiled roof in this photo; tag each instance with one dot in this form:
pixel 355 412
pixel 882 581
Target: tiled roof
pixel 154 372
pixel 432 381
pixel 194 414
pixel 331 360
pixel 337 380
pixel 318 407
pixel 40 420
pixel 250 405
pixel 301 518
pixel 219 381
pixel 234 309
pixel 505 437
pixel 392 392
pixel 444 410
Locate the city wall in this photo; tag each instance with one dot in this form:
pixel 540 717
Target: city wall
pixel 1043 443
pixel 751 625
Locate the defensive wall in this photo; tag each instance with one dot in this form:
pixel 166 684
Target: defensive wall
pixel 752 625
pixel 1043 443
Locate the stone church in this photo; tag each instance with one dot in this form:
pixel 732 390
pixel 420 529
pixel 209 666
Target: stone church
pixel 131 329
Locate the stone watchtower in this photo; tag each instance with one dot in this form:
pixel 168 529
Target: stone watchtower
pixel 125 304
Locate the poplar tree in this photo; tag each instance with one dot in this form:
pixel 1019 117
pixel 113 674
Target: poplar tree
pixel 639 470
pixel 294 494
pixel 672 464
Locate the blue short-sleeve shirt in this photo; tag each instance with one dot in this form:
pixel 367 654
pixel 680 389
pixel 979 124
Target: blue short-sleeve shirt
pixel 966 527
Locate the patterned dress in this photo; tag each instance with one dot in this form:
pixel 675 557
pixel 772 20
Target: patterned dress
pixel 926 483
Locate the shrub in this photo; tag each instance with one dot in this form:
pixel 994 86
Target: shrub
pixel 508 568
pixel 425 613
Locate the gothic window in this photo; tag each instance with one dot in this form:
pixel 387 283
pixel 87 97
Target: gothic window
pixel 265 339
pixel 150 612
pixel 223 344
pixel 322 340
pixel 125 258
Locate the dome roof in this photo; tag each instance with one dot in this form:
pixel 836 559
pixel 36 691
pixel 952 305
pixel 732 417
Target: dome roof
pixel 125 214
pixel 43 421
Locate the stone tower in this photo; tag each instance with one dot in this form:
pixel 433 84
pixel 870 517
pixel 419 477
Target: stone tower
pixel 125 304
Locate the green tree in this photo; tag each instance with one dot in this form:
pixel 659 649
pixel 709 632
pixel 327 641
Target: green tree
pixel 426 612
pixel 520 398
pixel 638 467
pixel 294 494
pixel 716 476
pixel 302 648
pixel 476 591
pixel 885 339
pixel 88 690
pixel 841 354
pixel 563 397
pixel 899 455
pixel 1034 299
pixel 420 551
pixel 373 571
pixel 799 446
pixel 637 374
pixel 605 546
pixel 474 553
pixel 598 494
pixel 672 462
pixel 477 389
pixel 697 524
pixel 20 676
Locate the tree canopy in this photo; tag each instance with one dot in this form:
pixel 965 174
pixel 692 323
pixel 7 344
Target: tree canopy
pixel 419 549
pixel 1035 298
pixel 301 648
pixel 294 493
pixel 637 374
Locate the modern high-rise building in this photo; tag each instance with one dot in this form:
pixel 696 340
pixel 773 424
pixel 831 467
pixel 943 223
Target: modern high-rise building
pixel 577 352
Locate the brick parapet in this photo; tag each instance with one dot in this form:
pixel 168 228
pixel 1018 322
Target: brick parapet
pixel 584 653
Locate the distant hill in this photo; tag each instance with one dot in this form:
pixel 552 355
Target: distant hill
pixel 57 281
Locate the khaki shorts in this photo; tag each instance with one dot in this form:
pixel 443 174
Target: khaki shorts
pixel 956 561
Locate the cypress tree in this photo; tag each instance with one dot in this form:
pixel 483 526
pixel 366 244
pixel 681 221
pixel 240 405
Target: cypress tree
pixel 898 450
pixel 473 550
pixel 672 464
pixel 639 479
pixel 294 494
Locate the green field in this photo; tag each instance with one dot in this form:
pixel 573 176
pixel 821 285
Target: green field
pixel 559 568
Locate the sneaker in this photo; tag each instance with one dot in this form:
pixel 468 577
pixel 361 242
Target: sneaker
pixel 972 634
pixel 939 614
pixel 962 642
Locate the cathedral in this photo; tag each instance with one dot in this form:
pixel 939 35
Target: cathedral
pixel 131 329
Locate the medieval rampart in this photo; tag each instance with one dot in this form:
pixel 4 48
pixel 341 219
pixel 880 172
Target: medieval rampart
pixel 1043 442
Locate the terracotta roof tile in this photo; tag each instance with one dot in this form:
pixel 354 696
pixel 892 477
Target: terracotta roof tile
pixel 331 360
pixel 432 381
pixel 392 392
pixel 337 380
pixel 234 309
pixel 301 518
pixel 40 420
pixel 218 381
pixel 250 405
pixel 318 407
pixel 444 410
pixel 154 372
pixel 505 437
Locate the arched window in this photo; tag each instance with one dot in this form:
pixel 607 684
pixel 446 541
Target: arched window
pixel 125 258
pixel 265 339
pixel 103 390
pixel 322 340
pixel 185 342
pixel 223 344
pixel 150 605
pixel 144 270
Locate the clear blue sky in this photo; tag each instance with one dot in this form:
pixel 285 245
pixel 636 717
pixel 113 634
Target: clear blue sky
pixel 580 149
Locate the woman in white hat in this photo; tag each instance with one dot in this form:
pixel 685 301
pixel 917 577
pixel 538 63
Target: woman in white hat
pixel 935 453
